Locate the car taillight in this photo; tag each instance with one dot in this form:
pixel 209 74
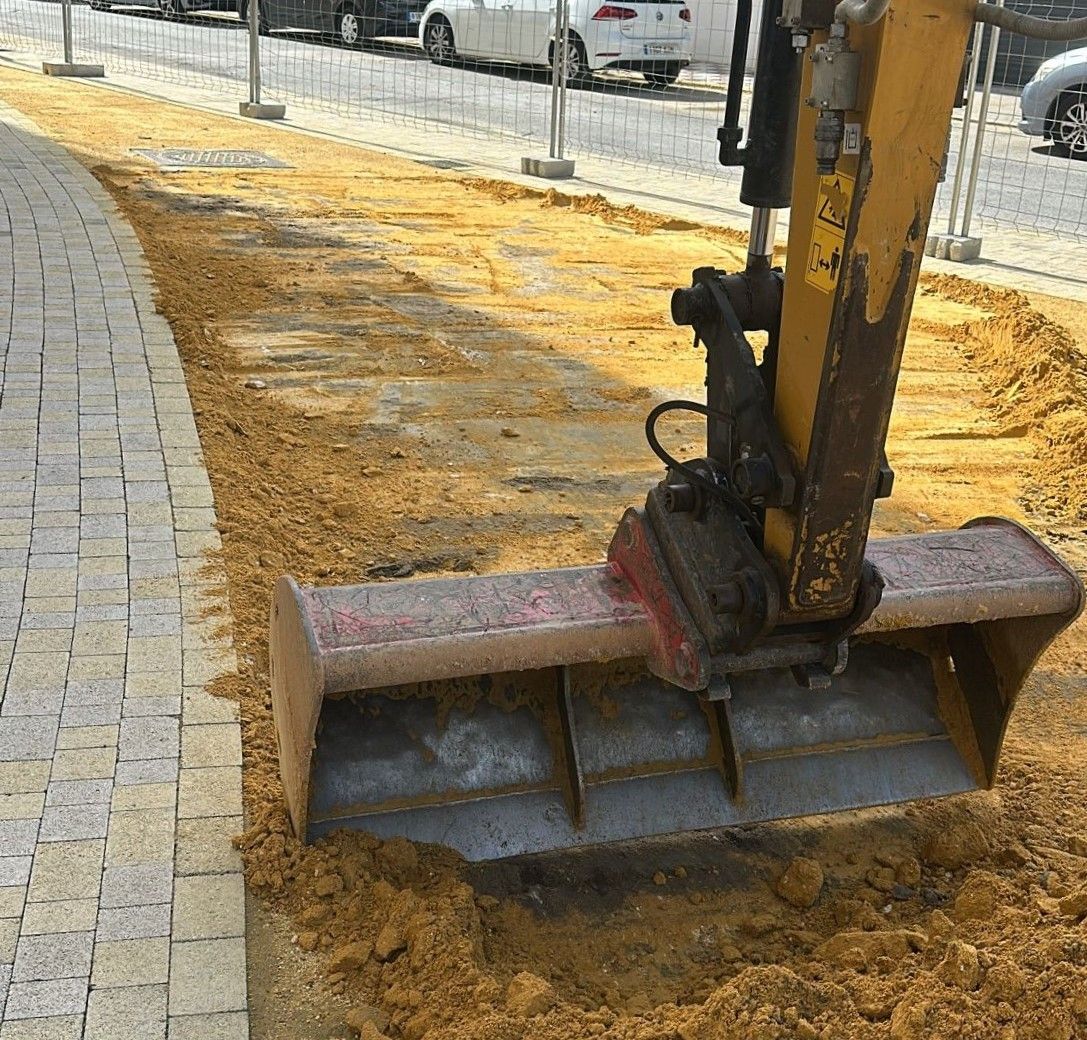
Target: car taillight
pixel 609 12
pixel 685 14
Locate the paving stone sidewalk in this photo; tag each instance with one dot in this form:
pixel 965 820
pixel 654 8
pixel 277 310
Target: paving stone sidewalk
pixel 121 899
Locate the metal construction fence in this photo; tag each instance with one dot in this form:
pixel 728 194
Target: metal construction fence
pixel 635 81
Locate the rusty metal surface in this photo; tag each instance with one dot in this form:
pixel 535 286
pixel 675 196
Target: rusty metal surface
pixel 679 652
pixel 399 632
pixel 990 568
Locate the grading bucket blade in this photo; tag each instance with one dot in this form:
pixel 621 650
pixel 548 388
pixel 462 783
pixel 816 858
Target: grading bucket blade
pixel 509 714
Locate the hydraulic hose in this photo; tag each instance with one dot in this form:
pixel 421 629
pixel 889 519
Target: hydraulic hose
pixel 1028 25
pixel 861 12
pixel 868 12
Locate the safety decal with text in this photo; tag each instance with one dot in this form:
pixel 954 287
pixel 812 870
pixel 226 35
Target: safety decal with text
pixel 828 231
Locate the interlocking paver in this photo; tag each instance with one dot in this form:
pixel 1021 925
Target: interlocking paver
pixel 131 962
pixel 46 999
pixel 147 771
pixel 78 792
pixel 12 900
pixel 211 745
pixel 138 884
pixel 84 764
pixel 154 737
pixel 21 806
pixel 106 516
pixel 62 915
pixel 14 870
pixel 63 956
pixel 9 942
pixel 133 922
pixel 67 870
pixel 210 906
pixel 70 738
pixel 193 990
pixel 63 1027
pixel 204 845
pixel 229 1025
pixel 73 822
pixel 26 738
pixel 144 796
pixel 127 1013
pixel 23 777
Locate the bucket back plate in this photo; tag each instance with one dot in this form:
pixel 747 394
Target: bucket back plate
pixel 494 782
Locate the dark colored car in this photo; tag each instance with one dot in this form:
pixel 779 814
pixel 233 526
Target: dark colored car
pixel 348 22
pixel 168 8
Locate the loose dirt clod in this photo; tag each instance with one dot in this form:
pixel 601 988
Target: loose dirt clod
pixel 801 883
pixel 1075 904
pixel 955 847
pixel 960 966
pixel 529 995
pixel 358 1018
pixel 390 941
pixel 350 956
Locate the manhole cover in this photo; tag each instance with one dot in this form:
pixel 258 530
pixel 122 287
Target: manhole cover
pixel 235 158
pixel 445 164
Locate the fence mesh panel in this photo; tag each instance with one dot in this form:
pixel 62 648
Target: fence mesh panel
pixel 364 58
pixel 200 43
pixel 646 79
pixel 33 26
pixel 1032 173
pixel 643 117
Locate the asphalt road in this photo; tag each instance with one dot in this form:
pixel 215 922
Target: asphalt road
pixel 618 115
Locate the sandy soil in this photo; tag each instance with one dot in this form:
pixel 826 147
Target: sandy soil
pixel 396 370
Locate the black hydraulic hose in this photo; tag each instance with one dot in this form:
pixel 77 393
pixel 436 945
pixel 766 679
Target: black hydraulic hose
pixel 722 490
pixel 1029 25
pixel 738 67
pixel 729 133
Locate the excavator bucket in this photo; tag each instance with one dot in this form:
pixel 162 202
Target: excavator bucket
pixel 517 713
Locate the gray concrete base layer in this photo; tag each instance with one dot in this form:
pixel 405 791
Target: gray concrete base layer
pixel 553 169
pixel 73 69
pixel 957 248
pixel 261 110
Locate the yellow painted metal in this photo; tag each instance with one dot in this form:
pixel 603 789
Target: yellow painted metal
pixel 910 66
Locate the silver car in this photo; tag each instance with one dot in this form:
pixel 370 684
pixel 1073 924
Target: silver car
pixel 1054 103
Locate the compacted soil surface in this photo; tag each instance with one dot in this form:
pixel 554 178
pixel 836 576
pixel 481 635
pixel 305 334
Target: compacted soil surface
pixel 402 371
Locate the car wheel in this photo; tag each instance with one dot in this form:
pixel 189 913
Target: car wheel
pixel 1069 126
pixel 663 75
pixel 349 26
pixel 571 56
pixel 98 5
pixel 171 10
pixel 438 41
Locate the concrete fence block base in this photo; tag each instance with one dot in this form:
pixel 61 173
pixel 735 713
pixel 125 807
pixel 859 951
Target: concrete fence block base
pixel 73 69
pixel 262 110
pixel 553 169
pixel 957 248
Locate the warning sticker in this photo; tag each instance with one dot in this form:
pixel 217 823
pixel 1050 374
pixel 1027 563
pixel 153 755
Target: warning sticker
pixel 828 231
